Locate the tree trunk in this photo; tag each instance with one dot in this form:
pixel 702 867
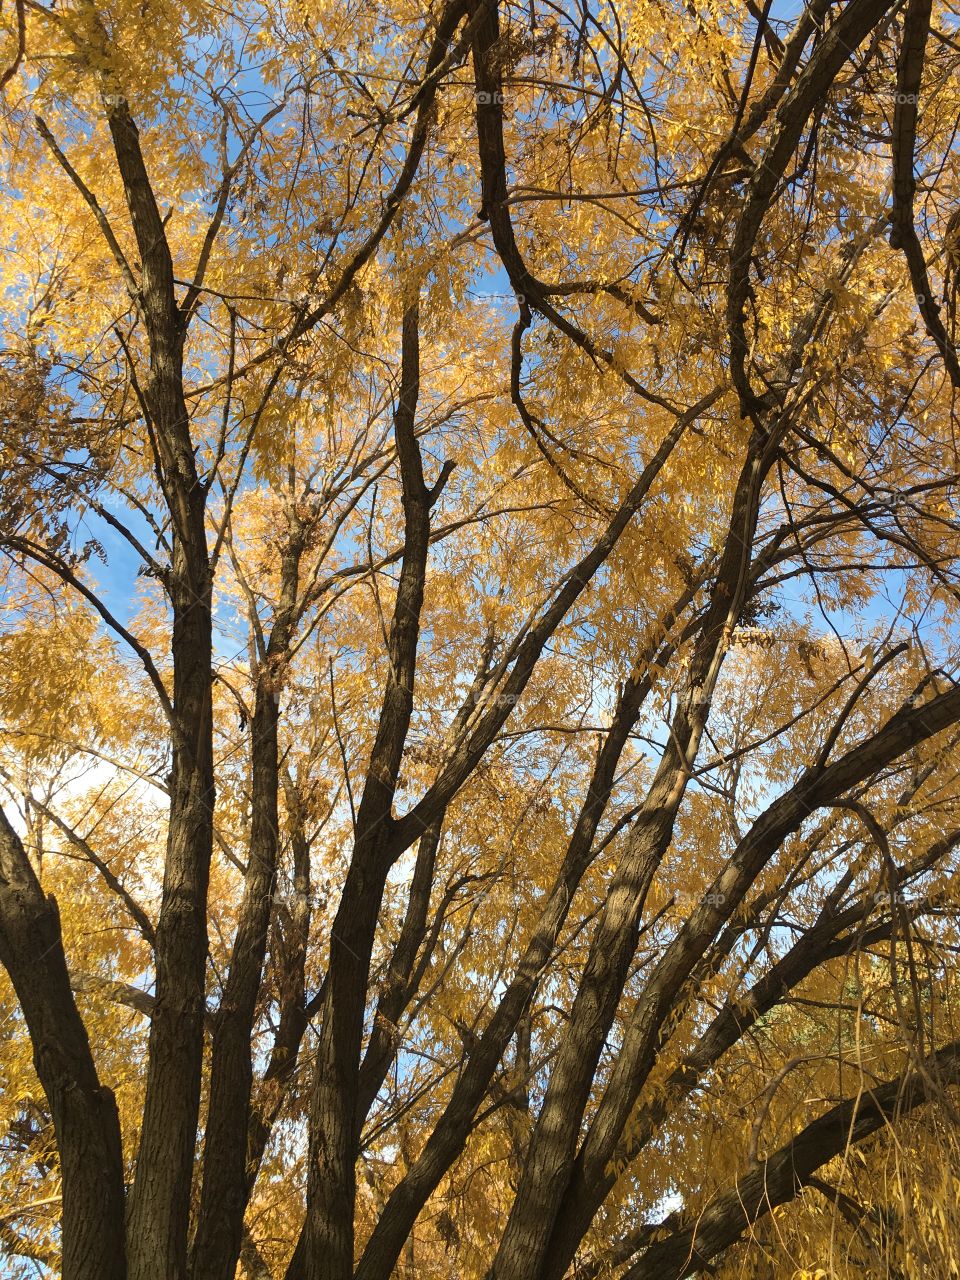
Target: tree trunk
pixel 84 1112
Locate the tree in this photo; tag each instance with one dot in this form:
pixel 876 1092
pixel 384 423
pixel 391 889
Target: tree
pixel 478 501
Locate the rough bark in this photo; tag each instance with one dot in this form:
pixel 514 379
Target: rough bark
pixel 84 1111
pixel 160 1199
pixel 226 1186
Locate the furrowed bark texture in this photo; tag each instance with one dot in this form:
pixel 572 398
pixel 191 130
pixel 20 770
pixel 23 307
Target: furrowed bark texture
pixel 225 1187
pixel 160 1199
pixel 84 1112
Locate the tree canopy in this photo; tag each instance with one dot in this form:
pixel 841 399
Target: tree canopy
pixel 479 648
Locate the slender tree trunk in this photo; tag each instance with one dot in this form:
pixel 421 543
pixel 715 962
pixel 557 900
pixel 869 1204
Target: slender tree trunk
pixel 294 1016
pixel 334 1131
pixel 84 1112
pixel 224 1195
pixel 550 1158
pixel 160 1201
pixel 225 1186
